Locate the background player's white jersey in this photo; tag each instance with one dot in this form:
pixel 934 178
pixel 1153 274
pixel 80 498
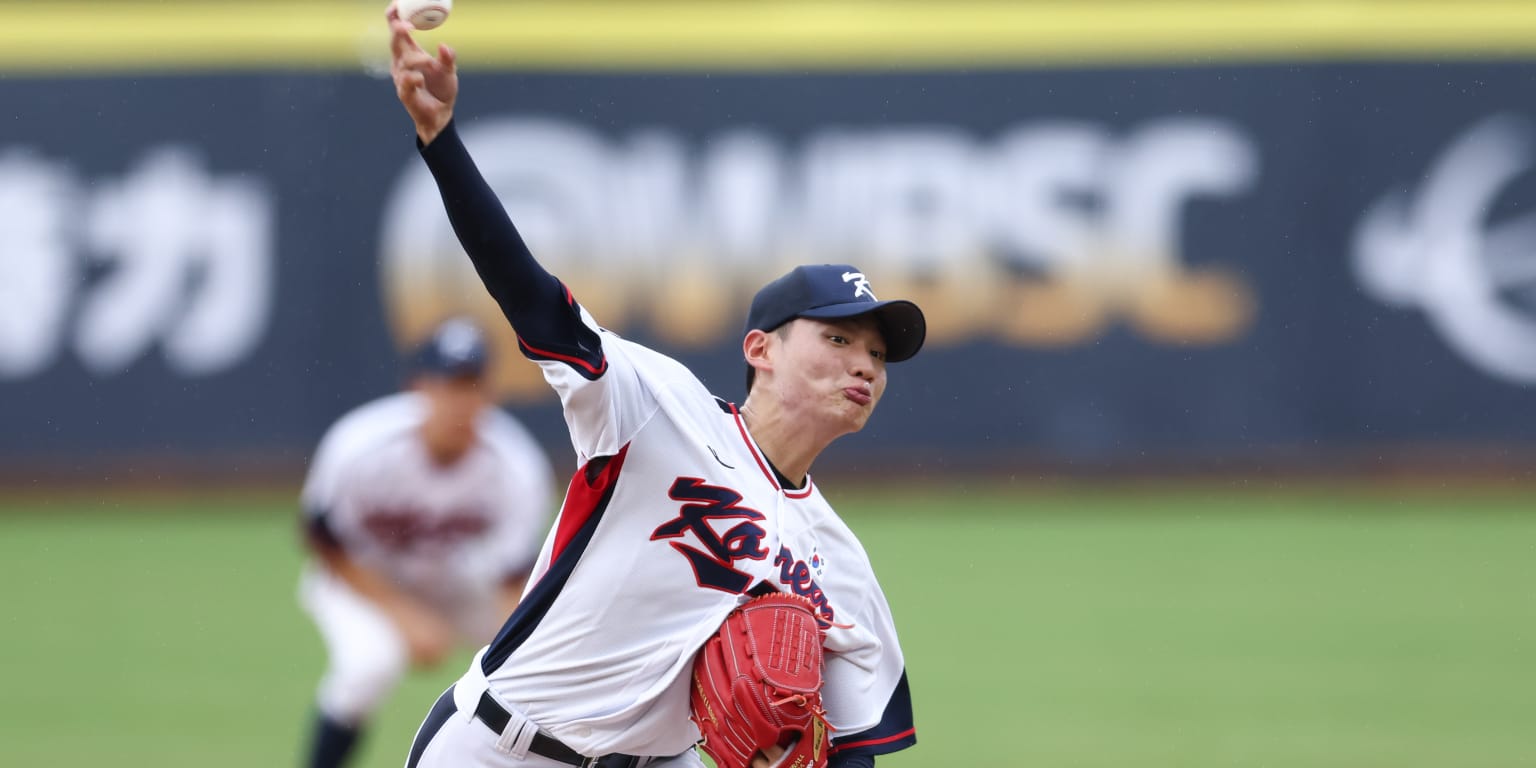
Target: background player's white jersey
pixel 651 554
pixel 438 531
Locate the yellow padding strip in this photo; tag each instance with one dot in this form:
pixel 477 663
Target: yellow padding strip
pixel 64 36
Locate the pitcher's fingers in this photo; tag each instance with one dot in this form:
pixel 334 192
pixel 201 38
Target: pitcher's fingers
pixel 408 83
pixel 448 56
pixel 417 60
pixel 400 39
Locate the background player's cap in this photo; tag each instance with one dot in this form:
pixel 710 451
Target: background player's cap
pixel 457 347
pixel 834 291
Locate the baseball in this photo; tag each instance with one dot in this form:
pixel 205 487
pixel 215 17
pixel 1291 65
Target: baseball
pixel 424 14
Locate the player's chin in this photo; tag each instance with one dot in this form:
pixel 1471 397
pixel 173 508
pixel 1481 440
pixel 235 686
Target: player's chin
pixel 855 415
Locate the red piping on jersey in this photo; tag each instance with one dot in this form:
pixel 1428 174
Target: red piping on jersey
pixel 598 371
pixel 762 464
pixel 872 742
pixel 582 498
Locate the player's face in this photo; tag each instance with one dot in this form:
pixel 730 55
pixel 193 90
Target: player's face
pixel 835 369
pixel 454 405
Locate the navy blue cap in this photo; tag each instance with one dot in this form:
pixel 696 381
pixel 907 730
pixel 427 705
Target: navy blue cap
pixel 457 347
pixel 836 291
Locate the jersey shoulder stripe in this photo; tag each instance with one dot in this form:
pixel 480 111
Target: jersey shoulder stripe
pixel 585 502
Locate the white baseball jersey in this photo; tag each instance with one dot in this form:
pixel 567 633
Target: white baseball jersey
pixel 655 546
pixel 436 531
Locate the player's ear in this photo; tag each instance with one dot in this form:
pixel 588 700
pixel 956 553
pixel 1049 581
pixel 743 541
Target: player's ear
pixel 757 350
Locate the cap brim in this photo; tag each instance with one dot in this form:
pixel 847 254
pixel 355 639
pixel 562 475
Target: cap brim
pixel 428 363
pixel 901 323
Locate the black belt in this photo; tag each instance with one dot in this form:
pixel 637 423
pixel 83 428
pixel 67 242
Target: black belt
pixel 491 713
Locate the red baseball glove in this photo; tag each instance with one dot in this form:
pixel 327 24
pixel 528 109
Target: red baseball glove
pixel 757 684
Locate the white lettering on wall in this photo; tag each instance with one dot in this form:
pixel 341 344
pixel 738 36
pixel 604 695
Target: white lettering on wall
pixel 1436 248
pixel 1046 234
pixel 182 258
pixel 37 262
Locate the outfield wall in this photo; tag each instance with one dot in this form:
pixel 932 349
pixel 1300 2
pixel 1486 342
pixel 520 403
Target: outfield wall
pixel 1247 240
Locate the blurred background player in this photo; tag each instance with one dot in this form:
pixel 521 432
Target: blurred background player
pixel 424 511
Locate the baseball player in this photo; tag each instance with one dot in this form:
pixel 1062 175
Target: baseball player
pixel 682 505
pixel 423 511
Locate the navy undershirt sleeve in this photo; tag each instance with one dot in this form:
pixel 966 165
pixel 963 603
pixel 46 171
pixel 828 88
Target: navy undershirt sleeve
pixel 538 306
pixel 851 760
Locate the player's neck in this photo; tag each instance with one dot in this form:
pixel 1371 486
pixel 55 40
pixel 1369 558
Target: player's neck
pixel 789 445
pixel 443 448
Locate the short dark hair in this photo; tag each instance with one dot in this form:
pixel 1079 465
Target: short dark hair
pixel 783 332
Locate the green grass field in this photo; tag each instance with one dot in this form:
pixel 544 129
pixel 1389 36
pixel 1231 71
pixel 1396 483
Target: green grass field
pixel 1092 629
